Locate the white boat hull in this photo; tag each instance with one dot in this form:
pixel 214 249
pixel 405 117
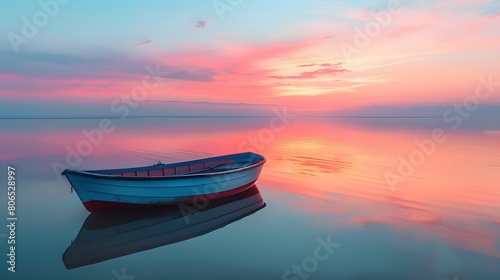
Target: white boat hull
pixel 102 192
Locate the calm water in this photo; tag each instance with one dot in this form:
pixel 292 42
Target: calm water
pixel 388 207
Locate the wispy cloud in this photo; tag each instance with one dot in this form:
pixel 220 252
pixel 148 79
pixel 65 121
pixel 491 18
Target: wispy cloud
pixel 214 103
pixel 145 42
pixel 407 60
pixel 329 69
pixel 200 24
pixel 205 75
pixel 306 65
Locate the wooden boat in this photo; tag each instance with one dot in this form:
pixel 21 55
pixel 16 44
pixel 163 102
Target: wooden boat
pixel 183 182
pixel 108 235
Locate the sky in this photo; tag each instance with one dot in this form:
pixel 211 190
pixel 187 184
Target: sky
pixel 244 56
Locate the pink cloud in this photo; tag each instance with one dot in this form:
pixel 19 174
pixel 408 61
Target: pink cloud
pixel 145 42
pixel 201 24
pixel 306 65
pixel 329 70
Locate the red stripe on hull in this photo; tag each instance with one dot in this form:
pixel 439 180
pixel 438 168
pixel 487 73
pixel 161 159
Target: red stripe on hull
pixel 97 206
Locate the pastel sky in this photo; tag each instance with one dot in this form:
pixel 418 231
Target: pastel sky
pixel 313 55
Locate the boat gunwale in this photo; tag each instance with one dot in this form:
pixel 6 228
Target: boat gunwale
pixel 94 174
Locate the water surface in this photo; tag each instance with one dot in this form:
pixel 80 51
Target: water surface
pixel 325 179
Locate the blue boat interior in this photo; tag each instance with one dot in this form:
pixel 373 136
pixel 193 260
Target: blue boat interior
pixel 207 165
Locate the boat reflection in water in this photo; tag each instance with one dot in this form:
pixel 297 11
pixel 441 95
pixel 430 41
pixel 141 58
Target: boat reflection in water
pixel 108 235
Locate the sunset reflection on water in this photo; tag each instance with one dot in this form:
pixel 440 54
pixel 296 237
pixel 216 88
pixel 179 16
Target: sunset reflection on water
pixel 321 175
